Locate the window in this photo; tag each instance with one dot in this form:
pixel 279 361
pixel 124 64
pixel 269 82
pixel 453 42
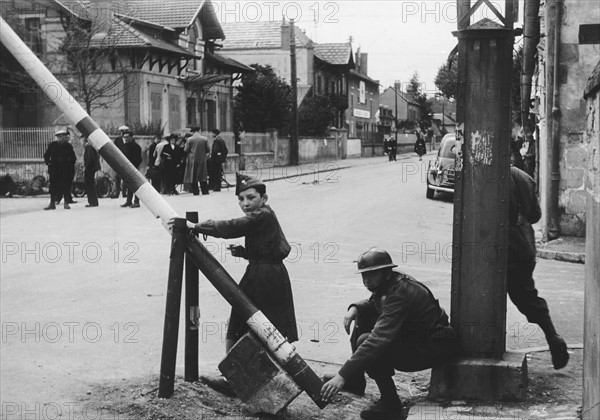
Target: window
pixel 361 93
pixel 174 112
pixel 191 111
pixel 33 34
pixel 155 102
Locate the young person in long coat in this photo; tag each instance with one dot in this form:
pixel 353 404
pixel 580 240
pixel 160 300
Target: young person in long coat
pixel 197 151
pixel 266 281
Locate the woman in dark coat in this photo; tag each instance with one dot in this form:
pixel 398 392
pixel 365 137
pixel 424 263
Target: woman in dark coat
pixel 169 160
pixel 420 148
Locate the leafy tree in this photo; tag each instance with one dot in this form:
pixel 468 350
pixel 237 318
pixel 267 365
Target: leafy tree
pixel 415 90
pixel 263 101
pixel 446 79
pixel 315 116
pixel 447 82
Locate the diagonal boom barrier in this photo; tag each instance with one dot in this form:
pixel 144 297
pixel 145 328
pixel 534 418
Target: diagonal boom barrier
pixel 277 345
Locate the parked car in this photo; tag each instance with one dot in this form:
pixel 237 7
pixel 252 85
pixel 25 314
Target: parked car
pixel 440 171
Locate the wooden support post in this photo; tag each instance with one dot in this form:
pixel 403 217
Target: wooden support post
pixel 192 311
pixel 172 310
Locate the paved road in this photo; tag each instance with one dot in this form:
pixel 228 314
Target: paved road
pixel 83 291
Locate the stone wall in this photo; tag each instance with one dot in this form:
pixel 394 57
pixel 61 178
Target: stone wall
pixel 575 63
pixel 591 335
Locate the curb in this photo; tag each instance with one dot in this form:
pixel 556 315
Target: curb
pixel 572 257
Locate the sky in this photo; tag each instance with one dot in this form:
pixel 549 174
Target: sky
pixel 400 37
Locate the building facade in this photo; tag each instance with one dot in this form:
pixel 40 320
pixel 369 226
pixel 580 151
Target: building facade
pixel 575 28
pixel 160 68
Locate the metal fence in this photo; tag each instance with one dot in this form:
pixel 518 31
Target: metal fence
pixel 25 142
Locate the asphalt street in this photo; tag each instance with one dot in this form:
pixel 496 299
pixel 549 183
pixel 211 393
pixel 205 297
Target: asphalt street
pixel 83 290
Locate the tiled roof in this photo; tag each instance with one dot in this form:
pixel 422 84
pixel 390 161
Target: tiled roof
pixel 89 9
pixel 175 14
pixel 229 62
pixel 170 13
pixel 122 35
pixel 363 77
pixel 335 53
pixel 267 34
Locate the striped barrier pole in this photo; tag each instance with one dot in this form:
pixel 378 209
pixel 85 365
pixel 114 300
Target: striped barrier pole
pixel 278 346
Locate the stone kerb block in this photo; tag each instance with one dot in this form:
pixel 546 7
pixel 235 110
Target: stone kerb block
pixel 256 377
pixel 481 379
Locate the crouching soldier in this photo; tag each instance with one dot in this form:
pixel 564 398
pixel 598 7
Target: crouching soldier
pixel 401 326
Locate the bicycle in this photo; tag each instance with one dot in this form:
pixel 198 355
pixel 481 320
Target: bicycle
pixel 104 183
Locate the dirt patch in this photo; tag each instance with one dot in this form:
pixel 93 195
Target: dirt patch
pixel 551 394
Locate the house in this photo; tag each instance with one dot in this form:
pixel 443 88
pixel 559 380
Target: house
pixel 330 69
pixel 268 43
pixel 445 123
pixel 332 63
pixel 402 104
pixel 363 103
pixel 156 60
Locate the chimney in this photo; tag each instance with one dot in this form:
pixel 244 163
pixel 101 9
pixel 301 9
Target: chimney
pixel 363 63
pixel 285 35
pixel 357 60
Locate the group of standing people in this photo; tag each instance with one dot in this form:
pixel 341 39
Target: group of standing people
pixel 390 146
pixel 189 161
pixel 172 161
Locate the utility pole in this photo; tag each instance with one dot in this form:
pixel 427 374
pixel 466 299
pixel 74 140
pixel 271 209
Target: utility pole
pixel 480 232
pixel 396 109
pixel 294 158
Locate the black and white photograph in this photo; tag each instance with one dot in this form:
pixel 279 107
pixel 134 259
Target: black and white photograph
pixel 299 210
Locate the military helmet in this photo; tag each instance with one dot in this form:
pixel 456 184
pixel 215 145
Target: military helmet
pixel 374 259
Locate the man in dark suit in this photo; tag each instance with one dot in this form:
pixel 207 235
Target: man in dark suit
pixel 60 158
pixel 133 152
pixel 218 156
pixel 120 143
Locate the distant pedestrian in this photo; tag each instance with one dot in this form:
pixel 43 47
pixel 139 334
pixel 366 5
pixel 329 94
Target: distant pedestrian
pixel 420 147
pixel 158 163
pixel 133 152
pixel 153 172
pixel 169 161
pixel 523 210
pixel 218 156
pixel 60 158
pixel 196 150
pixel 91 164
pixel 120 143
pixel 393 149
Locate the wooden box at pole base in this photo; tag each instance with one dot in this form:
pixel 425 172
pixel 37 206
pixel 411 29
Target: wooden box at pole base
pixel 257 379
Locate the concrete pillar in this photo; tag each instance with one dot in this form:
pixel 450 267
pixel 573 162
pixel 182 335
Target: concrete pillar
pixel 478 300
